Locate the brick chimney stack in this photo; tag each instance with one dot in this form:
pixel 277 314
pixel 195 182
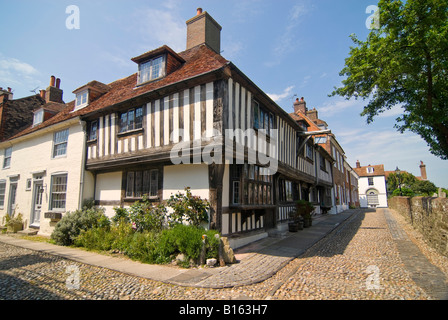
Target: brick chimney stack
pixel 358 164
pixel 5 95
pixel 300 105
pixel 203 29
pixel 53 92
pixel 423 171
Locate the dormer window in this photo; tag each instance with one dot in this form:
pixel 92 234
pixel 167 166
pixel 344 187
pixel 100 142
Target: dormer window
pixel 370 170
pixel 156 64
pixel 38 117
pixel 81 99
pixel 151 69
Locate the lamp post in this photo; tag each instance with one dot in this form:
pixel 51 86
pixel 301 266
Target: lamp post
pixel 398 173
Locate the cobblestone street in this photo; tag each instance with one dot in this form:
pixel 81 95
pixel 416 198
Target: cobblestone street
pixel 359 260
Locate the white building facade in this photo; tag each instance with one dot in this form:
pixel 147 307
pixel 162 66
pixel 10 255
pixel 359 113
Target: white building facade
pixel 372 186
pixel 43 176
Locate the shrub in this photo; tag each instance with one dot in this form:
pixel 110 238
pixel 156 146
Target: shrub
pixel 142 247
pixel 188 208
pixel 143 215
pixel 186 240
pixel 72 223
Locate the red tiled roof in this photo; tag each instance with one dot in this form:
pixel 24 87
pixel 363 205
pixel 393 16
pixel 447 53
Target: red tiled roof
pixel 198 61
pixel 378 170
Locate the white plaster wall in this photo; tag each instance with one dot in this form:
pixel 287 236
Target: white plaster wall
pixel 34 155
pixel 177 177
pixel 108 188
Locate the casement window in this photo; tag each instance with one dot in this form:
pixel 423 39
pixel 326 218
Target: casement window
pixel 60 143
pixel 58 193
pixel 250 185
pixel 2 193
pixel 38 117
pixel 287 190
pixel 142 183
pixel 7 158
pixel 93 130
pixel 151 70
pixel 323 165
pixel 81 99
pixel 131 120
pixel 236 192
pixel 309 152
pixel 320 140
pixel 263 119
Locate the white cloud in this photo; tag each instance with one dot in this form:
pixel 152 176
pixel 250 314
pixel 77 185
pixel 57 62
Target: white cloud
pixel 19 75
pixel 159 27
pixel 330 108
pixel 13 70
pixel 285 43
pixel 279 97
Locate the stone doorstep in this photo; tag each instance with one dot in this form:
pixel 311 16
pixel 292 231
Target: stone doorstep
pixel 29 232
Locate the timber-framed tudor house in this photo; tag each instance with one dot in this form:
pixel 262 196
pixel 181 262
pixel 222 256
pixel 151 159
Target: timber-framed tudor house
pixel 114 143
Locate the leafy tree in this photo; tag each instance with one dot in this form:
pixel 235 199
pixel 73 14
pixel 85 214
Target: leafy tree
pixel 405 179
pixel 424 188
pixel 404 62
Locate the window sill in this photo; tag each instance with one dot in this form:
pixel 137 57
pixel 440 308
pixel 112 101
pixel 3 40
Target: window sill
pixel 149 81
pixel 130 132
pixel 133 199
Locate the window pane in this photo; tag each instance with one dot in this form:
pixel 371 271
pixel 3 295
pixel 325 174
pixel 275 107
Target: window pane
pixel 138 184
pixel 131 119
pixel 154 183
pixel 145 71
pixel 256 116
pixel 157 65
pixel 146 183
pixel 2 194
pixel 124 122
pixel 236 192
pixel 138 118
pixel 60 149
pixel 61 136
pixel 93 130
pixel 130 185
pixel 58 192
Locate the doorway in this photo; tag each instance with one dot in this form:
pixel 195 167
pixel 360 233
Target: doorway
pixel 38 192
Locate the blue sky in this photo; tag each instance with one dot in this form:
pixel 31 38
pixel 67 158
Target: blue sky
pixel 287 47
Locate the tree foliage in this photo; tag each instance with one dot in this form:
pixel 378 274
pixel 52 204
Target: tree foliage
pixel 404 62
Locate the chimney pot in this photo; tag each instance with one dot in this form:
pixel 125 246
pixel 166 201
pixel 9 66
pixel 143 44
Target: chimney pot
pixel 58 83
pixel 199 11
pixel 42 94
pixel 52 81
pixel 300 106
pixel 9 89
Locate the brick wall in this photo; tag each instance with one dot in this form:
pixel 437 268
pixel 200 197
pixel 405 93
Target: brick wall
pixel 427 215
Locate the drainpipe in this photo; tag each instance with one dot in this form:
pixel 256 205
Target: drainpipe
pixel 83 163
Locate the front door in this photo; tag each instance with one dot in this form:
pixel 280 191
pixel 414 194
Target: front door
pixel 12 198
pixel 37 203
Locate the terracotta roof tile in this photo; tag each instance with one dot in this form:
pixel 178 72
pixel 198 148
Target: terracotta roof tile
pixel 378 170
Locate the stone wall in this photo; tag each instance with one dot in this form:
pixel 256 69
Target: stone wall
pixel 427 215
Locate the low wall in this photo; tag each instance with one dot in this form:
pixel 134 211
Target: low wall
pixel 427 215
